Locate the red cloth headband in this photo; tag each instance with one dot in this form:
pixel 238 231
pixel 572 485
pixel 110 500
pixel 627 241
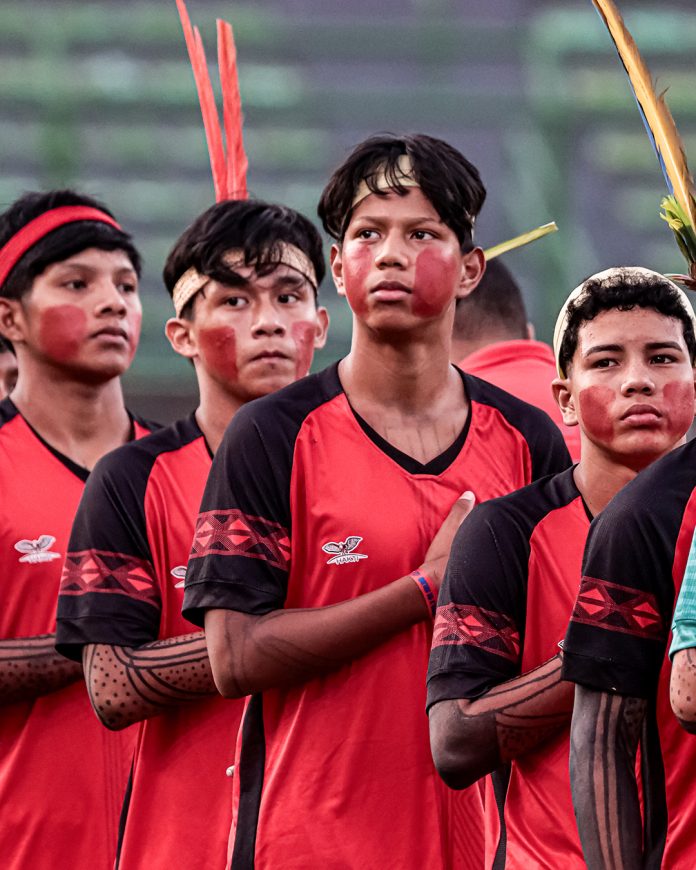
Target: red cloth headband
pixel 41 226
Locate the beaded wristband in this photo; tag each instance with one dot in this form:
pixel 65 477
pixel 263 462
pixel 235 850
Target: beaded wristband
pixel 423 584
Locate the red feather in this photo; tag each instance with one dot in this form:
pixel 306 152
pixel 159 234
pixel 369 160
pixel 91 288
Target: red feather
pixel 229 171
pixel 237 162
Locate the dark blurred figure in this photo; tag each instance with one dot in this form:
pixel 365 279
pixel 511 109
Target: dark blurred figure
pixel 493 340
pixel 8 369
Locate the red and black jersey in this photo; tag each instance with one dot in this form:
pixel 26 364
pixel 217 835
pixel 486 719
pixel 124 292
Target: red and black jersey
pixel 123 585
pixel 337 772
pixel 62 774
pixel 525 369
pixel 617 639
pixel 509 589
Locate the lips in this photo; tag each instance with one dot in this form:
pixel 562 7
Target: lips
pixel 269 355
pixel 641 413
pixel 391 287
pixel 112 332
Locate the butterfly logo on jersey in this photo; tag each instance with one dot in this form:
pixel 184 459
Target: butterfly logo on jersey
pixel 38 550
pixel 342 552
pixel 180 573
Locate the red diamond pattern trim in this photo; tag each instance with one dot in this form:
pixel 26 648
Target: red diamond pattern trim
pixel 114 573
pixel 618 608
pixel 233 533
pixel 466 624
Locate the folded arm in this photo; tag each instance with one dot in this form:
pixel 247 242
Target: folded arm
pixel 470 739
pixel 30 667
pixel 129 684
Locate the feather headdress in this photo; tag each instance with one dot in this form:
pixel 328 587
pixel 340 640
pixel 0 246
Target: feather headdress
pixel 228 160
pixel 520 241
pixel 679 208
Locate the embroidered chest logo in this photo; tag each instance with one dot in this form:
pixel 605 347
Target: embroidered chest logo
pixel 342 552
pixel 180 573
pixel 38 550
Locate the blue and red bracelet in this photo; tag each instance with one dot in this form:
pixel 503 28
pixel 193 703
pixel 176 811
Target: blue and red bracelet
pixel 423 584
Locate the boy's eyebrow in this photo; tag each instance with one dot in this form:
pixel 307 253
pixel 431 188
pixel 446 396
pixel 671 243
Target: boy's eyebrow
pixel 414 220
pixel 617 348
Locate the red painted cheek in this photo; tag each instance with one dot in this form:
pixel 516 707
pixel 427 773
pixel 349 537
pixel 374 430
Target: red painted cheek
pixel 679 406
pixel 437 274
pixel 356 270
pixel 594 405
pixel 62 331
pixel 219 351
pixel 303 335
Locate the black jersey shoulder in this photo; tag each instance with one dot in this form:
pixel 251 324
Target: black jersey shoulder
pixel 150 425
pixel 8 411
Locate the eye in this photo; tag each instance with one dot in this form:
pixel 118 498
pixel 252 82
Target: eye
pixel 605 362
pixel 236 302
pixel 75 284
pixel 423 235
pixel 288 298
pixel 366 234
pixel 128 287
pixel 663 358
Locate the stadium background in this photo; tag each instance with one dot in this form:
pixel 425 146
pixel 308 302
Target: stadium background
pixel 100 96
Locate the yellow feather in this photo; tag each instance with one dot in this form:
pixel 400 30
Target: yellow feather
pixel 657 114
pixel 519 241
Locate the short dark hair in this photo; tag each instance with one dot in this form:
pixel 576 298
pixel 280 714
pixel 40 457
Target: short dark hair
pixel 624 289
pixel 61 243
pixel 5 346
pixel 494 307
pixel 256 227
pixel 450 182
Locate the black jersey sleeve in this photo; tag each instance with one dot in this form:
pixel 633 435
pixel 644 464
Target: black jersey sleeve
pixel 618 631
pixel 479 625
pixel 109 591
pixel 240 554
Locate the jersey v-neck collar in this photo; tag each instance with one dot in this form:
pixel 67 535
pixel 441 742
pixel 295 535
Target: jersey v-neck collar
pixel 436 466
pixel 75 468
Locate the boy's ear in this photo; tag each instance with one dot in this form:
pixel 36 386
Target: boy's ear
pixel 473 267
pixel 181 337
pixel 12 320
pixel 337 269
pixel 560 387
pixel 322 327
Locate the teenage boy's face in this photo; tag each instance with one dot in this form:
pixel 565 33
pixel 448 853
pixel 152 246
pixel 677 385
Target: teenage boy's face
pixel 81 315
pixel 254 338
pixel 630 385
pixel 399 264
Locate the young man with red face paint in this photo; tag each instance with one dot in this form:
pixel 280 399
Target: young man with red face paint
pixel 625 349
pixel 69 306
pixel 315 567
pixel 244 279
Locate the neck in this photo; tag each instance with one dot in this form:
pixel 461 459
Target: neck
pixel 405 372
pixel 81 420
pixel 215 411
pixel 599 476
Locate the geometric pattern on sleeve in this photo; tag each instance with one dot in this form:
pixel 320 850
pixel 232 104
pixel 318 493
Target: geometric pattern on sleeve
pixel 618 608
pixel 113 573
pixel 466 624
pixel 233 533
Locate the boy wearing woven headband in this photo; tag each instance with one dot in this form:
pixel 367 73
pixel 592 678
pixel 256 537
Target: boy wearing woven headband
pixel 244 280
pixel 624 348
pixel 637 553
pixel 315 568
pixel 69 306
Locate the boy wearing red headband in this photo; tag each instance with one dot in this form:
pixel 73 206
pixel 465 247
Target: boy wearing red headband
pixel 244 280
pixel 315 567
pixel 624 348
pixel 69 306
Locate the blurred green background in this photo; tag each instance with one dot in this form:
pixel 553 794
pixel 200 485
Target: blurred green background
pixel 100 96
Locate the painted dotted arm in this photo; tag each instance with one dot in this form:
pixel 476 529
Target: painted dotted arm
pixel 31 667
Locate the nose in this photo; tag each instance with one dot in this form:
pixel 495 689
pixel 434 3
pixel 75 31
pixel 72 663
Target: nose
pixel 267 319
pixel 391 251
pixel 638 380
pixel 111 299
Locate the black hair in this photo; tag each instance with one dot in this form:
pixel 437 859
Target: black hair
pixel 449 181
pixel 5 346
pixel 256 227
pixel 624 288
pixel 495 307
pixel 61 243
